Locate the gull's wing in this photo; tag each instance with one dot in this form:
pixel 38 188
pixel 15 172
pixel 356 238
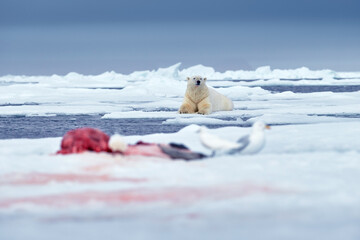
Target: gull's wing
pixel 243 143
pixel 244 140
pixel 214 142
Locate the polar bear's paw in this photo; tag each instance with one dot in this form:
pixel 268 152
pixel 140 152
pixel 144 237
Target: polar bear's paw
pixel 204 107
pixel 186 108
pixel 204 111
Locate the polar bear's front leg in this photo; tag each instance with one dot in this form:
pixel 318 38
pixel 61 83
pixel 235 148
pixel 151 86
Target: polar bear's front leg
pixel 205 106
pixel 187 107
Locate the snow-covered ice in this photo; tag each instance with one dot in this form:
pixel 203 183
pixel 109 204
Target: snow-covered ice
pixel 302 185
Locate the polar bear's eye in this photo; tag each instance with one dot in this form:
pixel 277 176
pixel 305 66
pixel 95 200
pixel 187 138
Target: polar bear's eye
pixel 200 78
pixel 194 78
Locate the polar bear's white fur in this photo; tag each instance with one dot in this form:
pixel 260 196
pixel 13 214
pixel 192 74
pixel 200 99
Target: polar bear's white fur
pixel 199 98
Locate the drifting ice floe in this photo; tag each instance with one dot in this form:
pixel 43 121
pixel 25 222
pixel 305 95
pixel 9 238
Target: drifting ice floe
pixel 158 94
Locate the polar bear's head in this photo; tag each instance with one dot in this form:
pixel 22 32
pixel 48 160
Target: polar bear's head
pixel 196 80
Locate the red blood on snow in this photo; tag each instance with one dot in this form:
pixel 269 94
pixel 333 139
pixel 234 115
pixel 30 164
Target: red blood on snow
pixel 146 195
pixel 37 178
pixel 145 149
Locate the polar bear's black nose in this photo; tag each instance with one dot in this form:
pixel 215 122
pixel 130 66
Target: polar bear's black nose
pixel 198 82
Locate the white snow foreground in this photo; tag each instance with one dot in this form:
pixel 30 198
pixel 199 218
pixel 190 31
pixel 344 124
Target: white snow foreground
pixel 303 184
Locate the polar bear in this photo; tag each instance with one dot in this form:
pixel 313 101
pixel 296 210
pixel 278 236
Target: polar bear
pixel 202 99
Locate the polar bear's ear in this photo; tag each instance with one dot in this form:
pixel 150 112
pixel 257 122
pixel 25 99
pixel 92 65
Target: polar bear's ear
pixel 188 78
pixel 204 79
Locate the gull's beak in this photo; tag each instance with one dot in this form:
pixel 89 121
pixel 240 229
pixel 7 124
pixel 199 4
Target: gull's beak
pixel 267 127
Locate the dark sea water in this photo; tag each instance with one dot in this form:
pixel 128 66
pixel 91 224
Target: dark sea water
pixel 310 89
pixel 56 126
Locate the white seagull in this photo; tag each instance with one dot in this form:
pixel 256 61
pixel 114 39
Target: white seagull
pixel 248 144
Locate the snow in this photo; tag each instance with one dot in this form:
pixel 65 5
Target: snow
pixel 302 185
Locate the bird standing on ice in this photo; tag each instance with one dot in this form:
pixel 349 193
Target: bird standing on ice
pixel 248 144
